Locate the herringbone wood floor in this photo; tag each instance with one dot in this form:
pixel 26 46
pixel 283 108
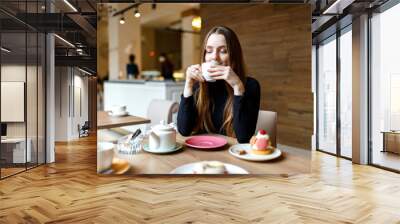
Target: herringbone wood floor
pixel 70 191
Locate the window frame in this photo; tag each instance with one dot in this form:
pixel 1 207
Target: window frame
pixel 339 32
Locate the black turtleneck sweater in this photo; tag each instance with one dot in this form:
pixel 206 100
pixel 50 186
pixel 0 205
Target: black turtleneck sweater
pixel 245 110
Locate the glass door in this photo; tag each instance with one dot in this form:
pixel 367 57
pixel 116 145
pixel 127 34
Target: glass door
pixel 326 136
pixel 22 78
pixel 13 104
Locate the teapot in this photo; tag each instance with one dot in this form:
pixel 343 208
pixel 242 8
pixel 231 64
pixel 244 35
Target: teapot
pixel 162 137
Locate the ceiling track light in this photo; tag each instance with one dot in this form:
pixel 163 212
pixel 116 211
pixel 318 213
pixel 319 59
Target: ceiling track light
pixel 65 41
pixel 70 5
pixel 84 71
pixel 137 13
pixel 337 7
pixel 122 20
pixel 5 50
pixel 196 23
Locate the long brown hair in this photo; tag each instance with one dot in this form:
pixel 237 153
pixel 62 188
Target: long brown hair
pixel 203 102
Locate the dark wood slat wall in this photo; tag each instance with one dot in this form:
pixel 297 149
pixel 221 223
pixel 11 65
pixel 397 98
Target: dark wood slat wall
pixel 276 41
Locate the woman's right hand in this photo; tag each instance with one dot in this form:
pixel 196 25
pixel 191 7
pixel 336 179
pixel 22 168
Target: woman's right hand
pixel 193 75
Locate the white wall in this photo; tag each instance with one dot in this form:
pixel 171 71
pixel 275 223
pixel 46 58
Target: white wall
pixel 33 126
pixel 61 103
pixel 71 102
pixel 13 73
pixel 17 73
pixel 80 110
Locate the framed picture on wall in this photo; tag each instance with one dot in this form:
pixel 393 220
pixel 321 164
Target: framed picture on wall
pixel 12 101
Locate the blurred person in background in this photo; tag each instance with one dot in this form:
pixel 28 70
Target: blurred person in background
pixel 132 69
pixel 167 68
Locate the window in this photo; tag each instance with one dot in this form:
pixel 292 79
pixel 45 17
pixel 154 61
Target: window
pixel 333 137
pixel 327 95
pixel 385 88
pixel 22 77
pixel 346 92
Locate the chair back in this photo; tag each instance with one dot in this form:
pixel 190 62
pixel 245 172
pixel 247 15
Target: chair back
pixel 161 110
pixel 86 125
pixel 267 120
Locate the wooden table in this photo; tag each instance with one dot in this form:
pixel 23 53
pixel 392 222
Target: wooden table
pixel 105 121
pixel 292 161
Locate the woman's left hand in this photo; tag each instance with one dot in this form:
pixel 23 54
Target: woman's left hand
pixel 226 73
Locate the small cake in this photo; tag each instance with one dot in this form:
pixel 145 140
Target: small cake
pixel 210 167
pixel 261 144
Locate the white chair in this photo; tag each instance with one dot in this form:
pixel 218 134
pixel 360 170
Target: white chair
pixel 267 120
pixel 159 110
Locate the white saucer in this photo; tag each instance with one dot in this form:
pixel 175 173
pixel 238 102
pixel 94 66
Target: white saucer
pixel 118 114
pixel 250 156
pixel 146 148
pixel 189 169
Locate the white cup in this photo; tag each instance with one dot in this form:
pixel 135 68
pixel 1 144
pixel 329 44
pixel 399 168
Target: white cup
pixel 204 67
pixel 105 154
pixel 118 109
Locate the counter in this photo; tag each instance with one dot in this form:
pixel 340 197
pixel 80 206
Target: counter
pixel 137 94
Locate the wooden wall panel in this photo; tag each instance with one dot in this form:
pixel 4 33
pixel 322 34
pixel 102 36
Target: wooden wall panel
pixel 102 42
pixel 276 41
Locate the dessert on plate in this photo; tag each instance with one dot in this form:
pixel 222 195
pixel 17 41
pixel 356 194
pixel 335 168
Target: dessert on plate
pixel 261 144
pixel 210 167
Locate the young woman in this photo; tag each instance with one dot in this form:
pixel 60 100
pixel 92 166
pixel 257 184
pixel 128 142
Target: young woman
pixel 227 106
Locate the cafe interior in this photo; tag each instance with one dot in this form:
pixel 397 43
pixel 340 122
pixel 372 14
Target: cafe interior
pixel 175 32
pixel 334 89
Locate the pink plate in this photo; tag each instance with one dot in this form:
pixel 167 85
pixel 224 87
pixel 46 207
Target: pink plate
pixel 205 142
